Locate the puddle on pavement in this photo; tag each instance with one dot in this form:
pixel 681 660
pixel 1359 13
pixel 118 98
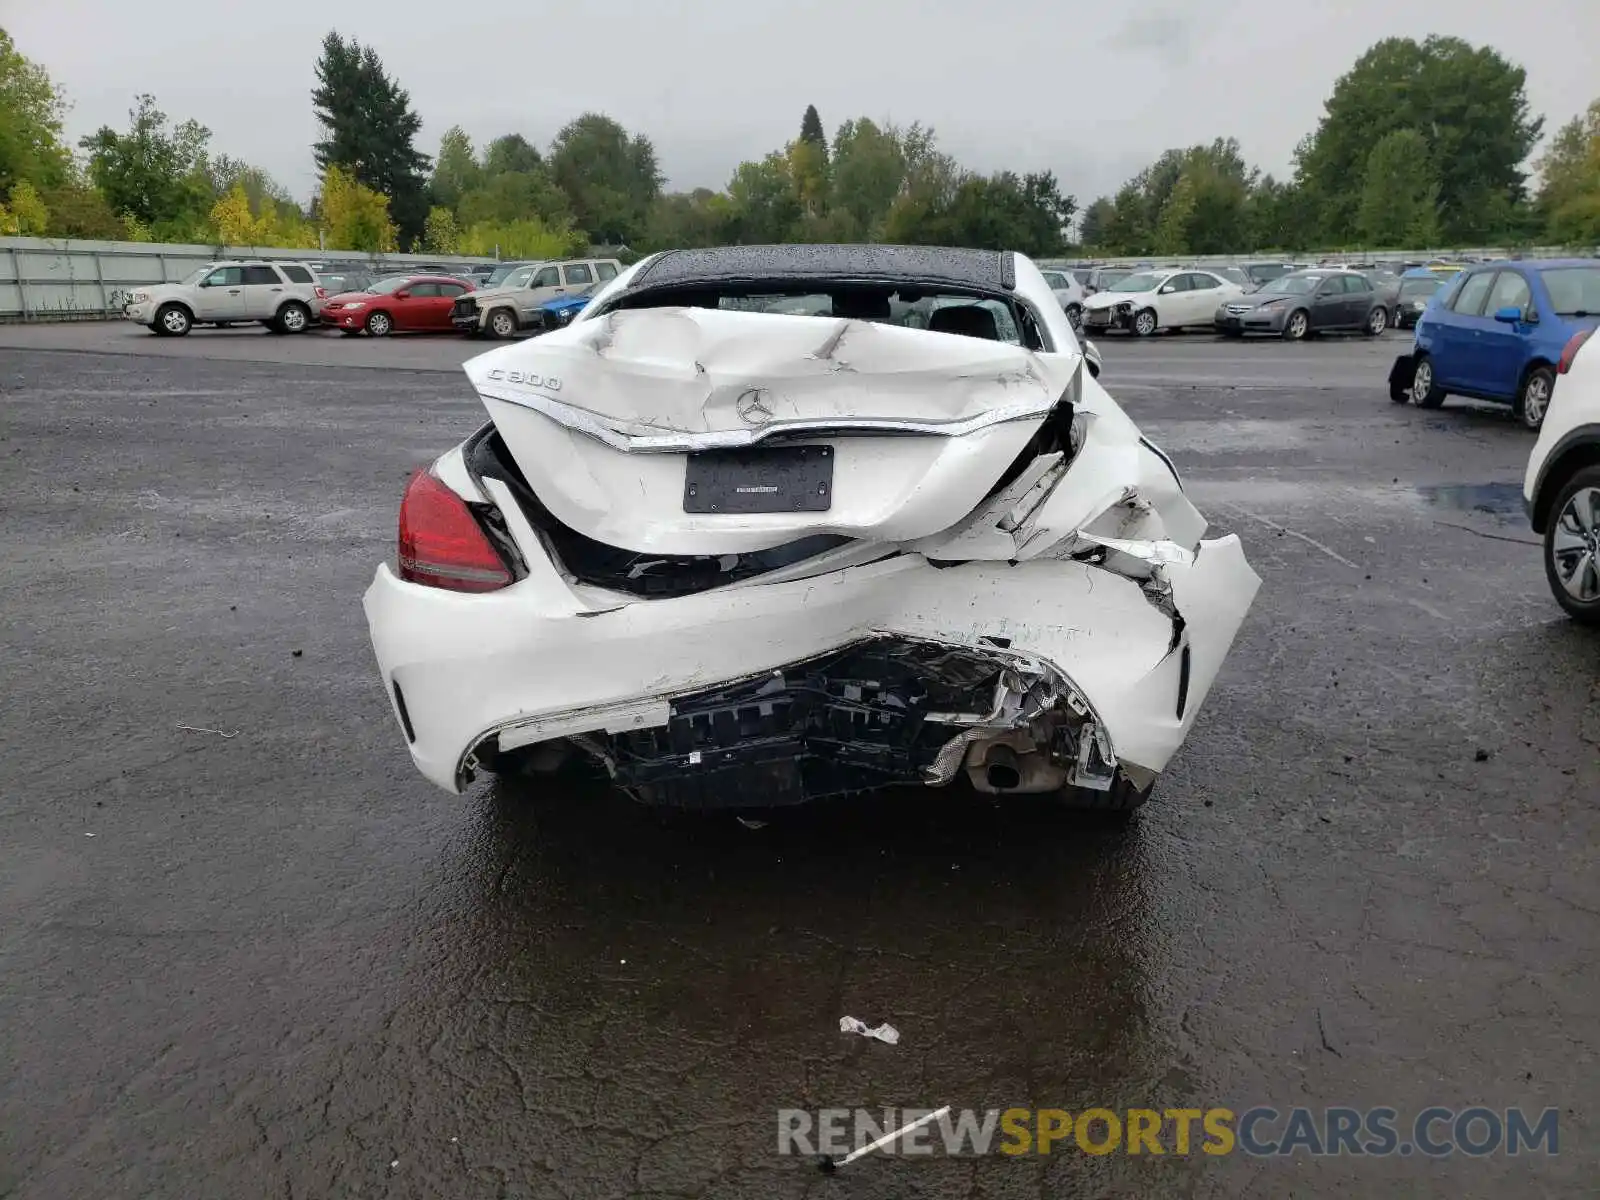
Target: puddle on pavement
pixel 1503 501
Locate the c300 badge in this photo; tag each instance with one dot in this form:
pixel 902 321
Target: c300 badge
pixel 526 379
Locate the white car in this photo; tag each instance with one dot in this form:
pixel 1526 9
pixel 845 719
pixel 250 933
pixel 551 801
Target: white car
pixel 741 558
pixel 1562 486
pixel 283 296
pixel 1167 298
pixel 1069 293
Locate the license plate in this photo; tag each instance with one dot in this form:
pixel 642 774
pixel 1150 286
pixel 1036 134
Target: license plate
pixel 759 480
pixel 1097 318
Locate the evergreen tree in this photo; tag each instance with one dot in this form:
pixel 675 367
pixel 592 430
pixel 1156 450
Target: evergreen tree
pixel 370 129
pixel 811 131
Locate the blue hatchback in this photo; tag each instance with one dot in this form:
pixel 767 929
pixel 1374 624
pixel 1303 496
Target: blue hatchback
pixel 1497 333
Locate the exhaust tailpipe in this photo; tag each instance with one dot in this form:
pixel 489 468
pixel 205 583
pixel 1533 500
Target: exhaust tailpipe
pixel 1001 769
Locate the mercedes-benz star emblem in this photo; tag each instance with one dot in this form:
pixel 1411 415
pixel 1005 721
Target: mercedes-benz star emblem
pixel 753 408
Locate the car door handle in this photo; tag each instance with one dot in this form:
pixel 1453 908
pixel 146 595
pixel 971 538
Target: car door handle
pixel 234 291
pixel 277 289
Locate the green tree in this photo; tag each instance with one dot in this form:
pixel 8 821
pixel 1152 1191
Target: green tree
pixel 31 111
pixel 515 196
pixel 25 214
pixel 682 220
pixel 441 235
pixel 156 175
pixel 1569 174
pixel 1400 193
pixel 530 238
pixel 764 205
pixel 1096 223
pixel 1129 228
pixel 868 169
pixel 355 216
pixel 1280 216
pixel 808 170
pixel 456 170
pixel 235 224
pixel 512 152
pixel 78 209
pixel 811 131
pixel 370 129
pixel 612 179
pixel 1172 228
pixel 1471 108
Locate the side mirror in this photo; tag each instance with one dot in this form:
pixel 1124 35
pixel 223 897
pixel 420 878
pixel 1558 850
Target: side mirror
pixel 1166 288
pixel 1511 315
pixel 402 294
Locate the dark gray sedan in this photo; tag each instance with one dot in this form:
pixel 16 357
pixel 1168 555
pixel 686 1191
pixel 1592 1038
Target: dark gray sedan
pixel 1305 302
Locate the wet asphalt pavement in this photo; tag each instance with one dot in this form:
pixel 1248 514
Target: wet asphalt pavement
pixel 259 956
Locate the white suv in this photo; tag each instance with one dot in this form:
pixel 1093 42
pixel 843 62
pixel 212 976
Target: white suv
pixel 1562 486
pixel 283 296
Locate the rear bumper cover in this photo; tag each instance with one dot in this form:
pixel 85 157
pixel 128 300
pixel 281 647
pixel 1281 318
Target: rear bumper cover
pixel 542 659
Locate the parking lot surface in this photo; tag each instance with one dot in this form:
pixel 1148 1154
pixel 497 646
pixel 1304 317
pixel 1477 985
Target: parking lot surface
pixel 245 950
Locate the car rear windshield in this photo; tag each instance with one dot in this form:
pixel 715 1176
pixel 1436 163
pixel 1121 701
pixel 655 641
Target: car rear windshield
pixel 907 307
pixel 1574 291
pixel 1412 289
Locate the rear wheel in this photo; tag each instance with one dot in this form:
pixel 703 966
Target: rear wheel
pixel 1533 400
pixel 1297 326
pixel 173 320
pixel 379 324
pixel 1572 547
pixel 1425 393
pixel 1144 324
pixel 293 317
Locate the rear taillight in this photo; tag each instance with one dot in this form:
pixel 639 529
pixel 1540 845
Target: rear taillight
pixel 441 543
pixel 322 293
pixel 1570 350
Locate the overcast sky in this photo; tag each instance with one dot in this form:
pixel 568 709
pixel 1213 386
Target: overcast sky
pixel 1092 92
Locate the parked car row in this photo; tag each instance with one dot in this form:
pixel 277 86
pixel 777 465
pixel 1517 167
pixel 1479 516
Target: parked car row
pixel 290 297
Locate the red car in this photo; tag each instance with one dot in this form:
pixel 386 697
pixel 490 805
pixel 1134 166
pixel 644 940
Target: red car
pixel 399 302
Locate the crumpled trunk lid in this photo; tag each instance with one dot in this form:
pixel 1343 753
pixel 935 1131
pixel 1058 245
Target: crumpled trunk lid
pixel 604 416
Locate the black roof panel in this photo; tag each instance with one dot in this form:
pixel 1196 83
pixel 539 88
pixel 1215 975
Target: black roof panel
pixel 989 270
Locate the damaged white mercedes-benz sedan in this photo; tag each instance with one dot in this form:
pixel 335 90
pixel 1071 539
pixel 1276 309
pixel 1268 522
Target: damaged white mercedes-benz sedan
pixel 769 524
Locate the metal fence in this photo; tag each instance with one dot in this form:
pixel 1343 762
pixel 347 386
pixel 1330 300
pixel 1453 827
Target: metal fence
pixel 46 279
pixel 1453 254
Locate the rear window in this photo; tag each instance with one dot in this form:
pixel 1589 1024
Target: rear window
pixel 971 316
pixel 296 273
pixel 1574 291
pixel 260 275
